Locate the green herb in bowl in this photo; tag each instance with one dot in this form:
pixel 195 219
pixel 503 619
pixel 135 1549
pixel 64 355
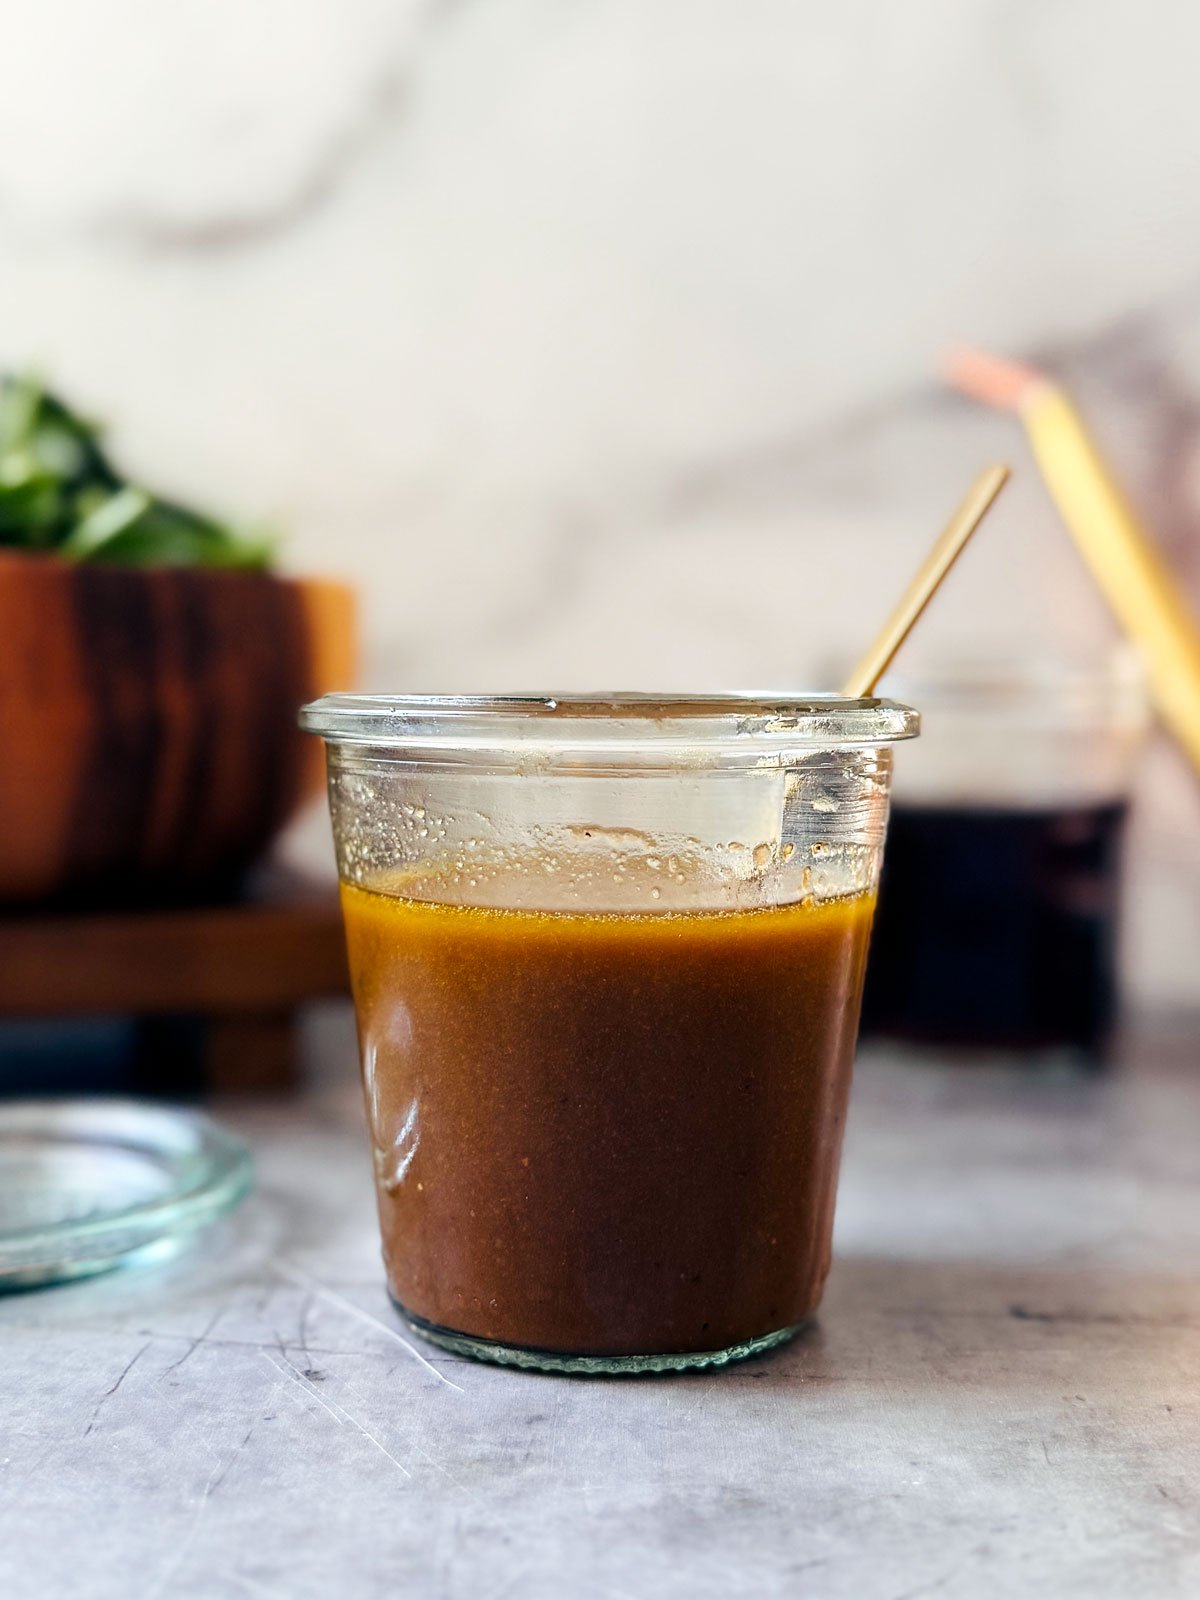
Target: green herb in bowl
pixel 59 493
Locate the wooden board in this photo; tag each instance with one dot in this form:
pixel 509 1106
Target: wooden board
pixel 243 969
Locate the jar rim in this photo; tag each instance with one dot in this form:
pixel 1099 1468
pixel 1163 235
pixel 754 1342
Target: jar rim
pixel 605 722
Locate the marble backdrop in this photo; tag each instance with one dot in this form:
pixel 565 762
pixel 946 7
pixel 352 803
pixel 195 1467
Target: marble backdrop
pixel 597 339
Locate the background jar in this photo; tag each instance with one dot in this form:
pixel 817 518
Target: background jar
pixel 999 915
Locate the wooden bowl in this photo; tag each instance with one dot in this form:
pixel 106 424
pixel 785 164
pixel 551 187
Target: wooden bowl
pixel 148 739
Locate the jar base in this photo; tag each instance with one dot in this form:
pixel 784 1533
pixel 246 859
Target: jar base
pixel 584 1366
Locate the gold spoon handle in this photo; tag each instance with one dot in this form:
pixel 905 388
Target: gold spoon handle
pixel 933 569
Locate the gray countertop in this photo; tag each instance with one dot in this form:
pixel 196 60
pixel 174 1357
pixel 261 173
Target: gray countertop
pixel 1001 1398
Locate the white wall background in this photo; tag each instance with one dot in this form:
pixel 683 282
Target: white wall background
pixel 597 339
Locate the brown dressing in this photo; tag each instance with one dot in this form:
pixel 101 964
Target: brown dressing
pixel 607 1135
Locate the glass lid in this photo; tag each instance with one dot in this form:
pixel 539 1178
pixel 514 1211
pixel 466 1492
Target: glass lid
pixel 88 1185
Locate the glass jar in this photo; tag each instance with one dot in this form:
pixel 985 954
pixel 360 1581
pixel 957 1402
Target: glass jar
pixel 607 958
pixel 998 921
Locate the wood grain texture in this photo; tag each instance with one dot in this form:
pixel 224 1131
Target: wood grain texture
pixel 148 718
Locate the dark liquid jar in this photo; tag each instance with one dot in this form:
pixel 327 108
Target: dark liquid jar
pixel 607 958
pixel 998 924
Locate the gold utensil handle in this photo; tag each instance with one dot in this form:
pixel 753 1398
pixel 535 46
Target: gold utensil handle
pixel 917 596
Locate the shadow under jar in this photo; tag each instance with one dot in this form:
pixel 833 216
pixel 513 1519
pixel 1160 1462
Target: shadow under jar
pixel 607 958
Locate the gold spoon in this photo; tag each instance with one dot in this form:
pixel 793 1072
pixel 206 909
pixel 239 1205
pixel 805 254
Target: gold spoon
pixel 916 597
